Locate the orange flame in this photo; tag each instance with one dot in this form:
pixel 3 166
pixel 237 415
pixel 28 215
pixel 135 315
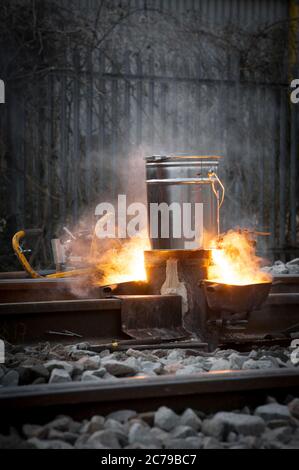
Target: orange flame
pixel 234 261
pixel 124 261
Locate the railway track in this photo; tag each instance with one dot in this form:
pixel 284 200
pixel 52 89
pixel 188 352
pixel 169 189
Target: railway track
pixel 208 391
pixel 100 319
pixel 94 319
pixel 19 289
pixel 88 319
pixel 15 288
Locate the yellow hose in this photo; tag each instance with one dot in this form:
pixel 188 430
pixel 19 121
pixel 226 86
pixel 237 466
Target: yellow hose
pixel 75 272
pixel 28 268
pixel 21 257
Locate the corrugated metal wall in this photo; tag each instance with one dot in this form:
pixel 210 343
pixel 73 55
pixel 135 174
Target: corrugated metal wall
pixel 245 12
pixel 126 104
pixel 241 10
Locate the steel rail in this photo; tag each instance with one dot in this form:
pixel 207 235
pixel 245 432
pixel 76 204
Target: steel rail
pixel 90 319
pixel 222 390
pixel 26 289
pixel 26 321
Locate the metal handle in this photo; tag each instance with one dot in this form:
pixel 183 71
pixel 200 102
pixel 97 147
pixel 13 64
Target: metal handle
pixel 213 177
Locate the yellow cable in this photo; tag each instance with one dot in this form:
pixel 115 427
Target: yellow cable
pixel 20 255
pixel 28 268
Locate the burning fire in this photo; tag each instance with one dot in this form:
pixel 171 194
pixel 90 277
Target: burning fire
pixel 234 261
pixel 123 262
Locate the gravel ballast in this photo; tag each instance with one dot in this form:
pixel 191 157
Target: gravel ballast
pixel 269 426
pixel 43 363
pixel 279 267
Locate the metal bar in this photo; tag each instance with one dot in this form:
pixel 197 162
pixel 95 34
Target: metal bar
pixel 283 299
pixel 147 316
pixel 149 344
pixel 21 280
pixel 14 275
pixel 62 306
pixel 209 392
pixel 137 316
pixel 30 322
pixel 21 289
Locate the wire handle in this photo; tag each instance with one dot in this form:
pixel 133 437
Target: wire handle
pixel 213 176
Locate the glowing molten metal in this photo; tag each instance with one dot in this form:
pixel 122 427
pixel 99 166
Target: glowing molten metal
pixel 234 261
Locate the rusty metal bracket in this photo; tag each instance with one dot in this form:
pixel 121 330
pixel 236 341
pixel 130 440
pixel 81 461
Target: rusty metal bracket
pixel 149 316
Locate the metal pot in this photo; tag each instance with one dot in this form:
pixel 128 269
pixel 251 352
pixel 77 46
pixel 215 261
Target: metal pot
pixel 184 179
pixel 234 298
